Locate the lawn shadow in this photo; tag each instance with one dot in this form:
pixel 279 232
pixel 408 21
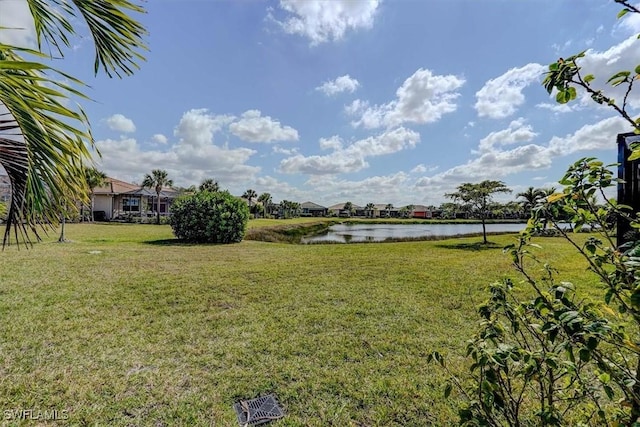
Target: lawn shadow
pixel 470 246
pixel 169 242
pixel 178 242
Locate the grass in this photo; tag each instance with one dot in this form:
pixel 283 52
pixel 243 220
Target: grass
pixel 116 330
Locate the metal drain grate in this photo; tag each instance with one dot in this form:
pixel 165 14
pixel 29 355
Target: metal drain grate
pixel 258 411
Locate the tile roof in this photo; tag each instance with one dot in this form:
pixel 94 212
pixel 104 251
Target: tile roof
pixel 311 205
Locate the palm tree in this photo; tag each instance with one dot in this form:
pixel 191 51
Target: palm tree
pixel 295 208
pixel 158 179
pixel 546 192
pixel 530 198
pixel 265 199
pixel 210 185
pixel 388 209
pixel 370 208
pixel 409 210
pixel 285 208
pixel 250 195
pixel 93 178
pixel 348 207
pixel 44 141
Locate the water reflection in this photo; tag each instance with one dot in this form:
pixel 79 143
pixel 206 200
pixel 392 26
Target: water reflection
pixel 352 233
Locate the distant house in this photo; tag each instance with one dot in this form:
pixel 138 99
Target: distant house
pixel 312 209
pixel 338 210
pixel 421 211
pixel 117 199
pixel 380 211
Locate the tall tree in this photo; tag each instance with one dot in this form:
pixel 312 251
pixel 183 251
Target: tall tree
pixel 530 198
pixel 265 199
pixel 388 209
pixel 478 198
pixel 43 139
pixel 157 180
pixel 348 207
pixel 210 185
pixel 250 194
pixel 369 209
pixel 409 211
pixel 93 178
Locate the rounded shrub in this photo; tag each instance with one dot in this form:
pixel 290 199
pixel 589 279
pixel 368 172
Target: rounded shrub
pixel 209 217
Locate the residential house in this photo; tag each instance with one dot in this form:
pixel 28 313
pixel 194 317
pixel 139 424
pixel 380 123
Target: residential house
pixel 380 211
pixel 312 209
pixel 119 199
pixel 421 211
pixel 338 210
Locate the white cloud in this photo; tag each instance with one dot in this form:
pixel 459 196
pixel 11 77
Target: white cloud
pixel 351 158
pixel 341 84
pixel 495 163
pixel 501 97
pixel 333 143
pixel 281 190
pixel 321 21
pixel 422 98
pixel 120 123
pixel 557 108
pixel 18 24
pixel 286 151
pixel 630 23
pixel 394 188
pixel 517 132
pixel 197 126
pixel 252 127
pixel 419 169
pixel 603 65
pixel 159 138
pixel 597 136
pixel 193 158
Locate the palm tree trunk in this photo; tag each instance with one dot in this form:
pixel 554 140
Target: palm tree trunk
pixel 158 212
pixel 484 232
pixel 62 239
pixel 92 208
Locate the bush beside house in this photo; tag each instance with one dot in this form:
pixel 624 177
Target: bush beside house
pixel 209 217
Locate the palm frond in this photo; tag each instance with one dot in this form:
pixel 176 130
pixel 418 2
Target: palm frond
pixel 41 143
pixel 118 38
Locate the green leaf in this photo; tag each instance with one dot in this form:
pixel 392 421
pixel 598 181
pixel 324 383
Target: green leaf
pixel 635 297
pixel 620 75
pixel 585 355
pixel 589 78
pixel 608 390
pixel 637 70
pixel 447 389
pixel 634 155
pixel 562 97
pixel 622 13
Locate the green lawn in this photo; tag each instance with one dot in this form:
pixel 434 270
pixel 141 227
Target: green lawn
pixel 125 327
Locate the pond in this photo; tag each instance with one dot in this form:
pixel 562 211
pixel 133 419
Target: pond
pixel 353 233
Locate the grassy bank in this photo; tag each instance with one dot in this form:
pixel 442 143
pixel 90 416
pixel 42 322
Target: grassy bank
pixel 124 326
pixel 287 231
pixel 292 230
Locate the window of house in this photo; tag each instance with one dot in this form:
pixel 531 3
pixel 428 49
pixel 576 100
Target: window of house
pixel 130 204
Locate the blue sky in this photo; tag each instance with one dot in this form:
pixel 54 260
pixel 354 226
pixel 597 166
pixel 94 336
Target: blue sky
pixel 369 101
